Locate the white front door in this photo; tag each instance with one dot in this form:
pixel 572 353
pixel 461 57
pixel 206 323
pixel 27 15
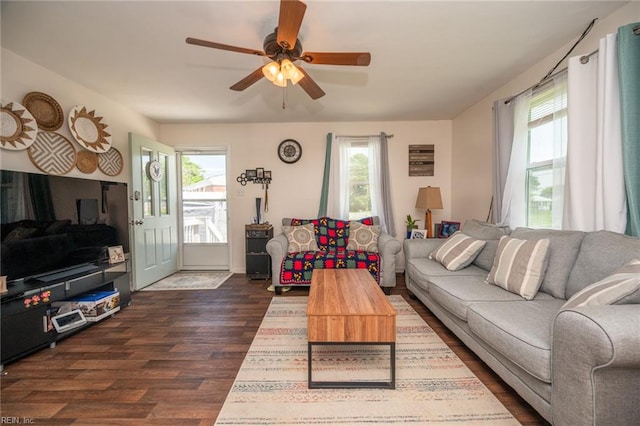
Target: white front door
pixel 155 217
pixel 203 195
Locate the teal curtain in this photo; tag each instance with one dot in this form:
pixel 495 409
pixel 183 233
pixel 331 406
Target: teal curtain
pixel 629 77
pixel 324 194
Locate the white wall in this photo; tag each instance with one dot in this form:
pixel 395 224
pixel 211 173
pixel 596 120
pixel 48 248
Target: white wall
pixel 21 76
pixel 295 189
pixel 473 129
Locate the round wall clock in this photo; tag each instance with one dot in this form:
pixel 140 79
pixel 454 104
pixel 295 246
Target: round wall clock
pixel 289 151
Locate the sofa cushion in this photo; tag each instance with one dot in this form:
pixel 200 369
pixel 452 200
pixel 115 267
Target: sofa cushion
pixel 57 227
pixel 423 269
pixel 456 294
pixel 363 237
pixel 458 251
pixel 488 232
pixel 301 238
pixel 521 331
pixel 21 233
pixel 563 251
pixel 601 254
pixel 621 287
pixel 519 265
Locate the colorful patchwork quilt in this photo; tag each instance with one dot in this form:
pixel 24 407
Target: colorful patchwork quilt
pixel 332 236
pixel 297 268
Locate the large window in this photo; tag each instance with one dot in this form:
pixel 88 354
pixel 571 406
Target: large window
pixel 204 198
pixel 546 153
pixel 359 188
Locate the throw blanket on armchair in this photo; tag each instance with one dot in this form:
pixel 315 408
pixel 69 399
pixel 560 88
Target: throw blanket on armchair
pixel 297 268
pixel 332 236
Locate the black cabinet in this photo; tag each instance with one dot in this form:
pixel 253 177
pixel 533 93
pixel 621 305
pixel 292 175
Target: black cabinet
pixel 26 307
pixel 258 260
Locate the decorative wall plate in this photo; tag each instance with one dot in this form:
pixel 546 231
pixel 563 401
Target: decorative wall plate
pixel 45 109
pixel 86 127
pixel 110 162
pixel 155 170
pixel 87 161
pixel 18 128
pixel 52 153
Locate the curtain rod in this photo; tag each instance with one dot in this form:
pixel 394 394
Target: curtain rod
pixel 584 59
pixel 362 136
pixel 551 72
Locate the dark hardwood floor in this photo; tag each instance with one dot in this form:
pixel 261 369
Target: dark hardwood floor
pixel 170 359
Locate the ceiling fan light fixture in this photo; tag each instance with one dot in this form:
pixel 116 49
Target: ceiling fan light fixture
pixel 280 81
pixel 296 77
pixel 271 70
pixel 288 69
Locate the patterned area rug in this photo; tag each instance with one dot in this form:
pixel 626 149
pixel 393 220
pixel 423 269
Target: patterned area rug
pixel 190 281
pixel 432 384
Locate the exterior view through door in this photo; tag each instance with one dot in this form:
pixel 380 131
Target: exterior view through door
pixel 203 196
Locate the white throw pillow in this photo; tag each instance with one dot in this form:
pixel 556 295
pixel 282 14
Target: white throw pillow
pixel 621 287
pixel 363 237
pixel 519 265
pixel 458 251
pixel 301 238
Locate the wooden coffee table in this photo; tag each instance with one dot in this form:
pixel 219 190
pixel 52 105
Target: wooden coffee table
pixel 348 307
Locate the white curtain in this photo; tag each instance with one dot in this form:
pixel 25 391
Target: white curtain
pixel 338 196
pixel 514 203
pixel 594 195
pixel 375 180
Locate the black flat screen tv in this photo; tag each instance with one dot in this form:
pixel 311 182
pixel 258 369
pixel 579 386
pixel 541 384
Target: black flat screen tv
pixel 50 222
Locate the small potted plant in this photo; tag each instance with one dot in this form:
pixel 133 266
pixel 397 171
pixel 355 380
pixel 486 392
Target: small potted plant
pixel 411 224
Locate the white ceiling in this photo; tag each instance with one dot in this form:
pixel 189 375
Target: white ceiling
pixel 430 60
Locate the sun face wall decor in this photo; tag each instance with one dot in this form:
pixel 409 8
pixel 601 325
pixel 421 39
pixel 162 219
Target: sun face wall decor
pixel 19 128
pixel 88 130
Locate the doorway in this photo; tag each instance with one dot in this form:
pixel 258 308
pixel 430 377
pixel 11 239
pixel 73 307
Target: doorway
pixel 154 223
pixel 202 193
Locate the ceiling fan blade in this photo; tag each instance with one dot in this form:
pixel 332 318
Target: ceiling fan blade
pixel 310 86
pixel 337 58
pixel 289 22
pixel 214 45
pixel 248 80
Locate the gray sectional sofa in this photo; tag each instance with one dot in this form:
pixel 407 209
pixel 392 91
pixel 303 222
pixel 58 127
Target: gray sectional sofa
pixel 575 366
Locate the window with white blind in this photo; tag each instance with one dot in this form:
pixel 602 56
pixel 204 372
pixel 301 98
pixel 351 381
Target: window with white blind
pixel 546 155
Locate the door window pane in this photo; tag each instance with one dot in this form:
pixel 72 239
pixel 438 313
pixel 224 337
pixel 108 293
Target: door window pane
pixel 204 198
pixel 147 190
pixel 164 185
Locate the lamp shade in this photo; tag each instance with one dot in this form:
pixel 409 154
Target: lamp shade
pixel 270 70
pixel 429 198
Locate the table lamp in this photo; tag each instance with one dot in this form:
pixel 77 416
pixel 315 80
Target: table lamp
pixel 429 198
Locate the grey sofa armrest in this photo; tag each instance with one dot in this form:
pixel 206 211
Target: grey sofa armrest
pixel 277 249
pixel 419 248
pixel 388 248
pixel 596 366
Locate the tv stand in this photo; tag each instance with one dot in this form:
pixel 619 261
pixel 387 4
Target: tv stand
pixel 26 307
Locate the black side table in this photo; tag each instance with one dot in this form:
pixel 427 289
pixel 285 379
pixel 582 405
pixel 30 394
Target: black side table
pixel 257 259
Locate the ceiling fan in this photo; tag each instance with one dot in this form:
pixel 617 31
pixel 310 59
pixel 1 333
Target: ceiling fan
pixel 284 49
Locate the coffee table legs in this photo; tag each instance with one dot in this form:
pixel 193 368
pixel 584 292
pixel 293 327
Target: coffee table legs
pixel 391 384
